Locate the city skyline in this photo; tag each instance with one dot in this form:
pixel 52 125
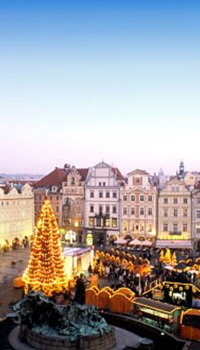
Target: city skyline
pixel 82 82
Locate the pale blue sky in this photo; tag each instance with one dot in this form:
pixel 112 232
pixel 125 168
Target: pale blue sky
pixel 82 81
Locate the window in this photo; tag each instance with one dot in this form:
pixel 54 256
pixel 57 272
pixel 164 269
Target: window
pixel 98 222
pixel 175 200
pixel 114 194
pixel 150 211
pixel 125 211
pixel 141 198
pixel 125 198
pixel 198 200
pixel 185 200
pixel 198 214
pixel 175 212
pixel 150 198
pixel 104 184
pixel 165 214
pixel 141 211
pixel 165 200
pixel 137 227
pixel 114 210
pixel 99 184
pixel 137 180
pixel 133 198
pixel 132 211
pixel 132 226
pixel 197 228
pixel 72 181
pixel 185 227
pixel 100 194
pixel 175 227
pixel 107 209
pixel 39 198
pixel 107 222
pixel 107 194
pixel 91 194
pixel 185 212
pixel 114 222
pixel 57 198
pixel 50 198
pixel 165 227
pixel 92 209
pixel 7 203
pixel 2 203
pixel 100 209
pixel 57 209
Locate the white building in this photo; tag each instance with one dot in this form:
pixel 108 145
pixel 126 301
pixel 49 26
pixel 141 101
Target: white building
pixel 16 214
pixel 102 203
pixel 196 216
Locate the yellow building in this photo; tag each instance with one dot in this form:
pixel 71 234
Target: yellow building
pixel 16 215
pixel 174 215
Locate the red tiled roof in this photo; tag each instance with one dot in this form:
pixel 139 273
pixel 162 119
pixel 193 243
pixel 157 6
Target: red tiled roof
pixel 55 178
pixel 83 173
pixel 118 174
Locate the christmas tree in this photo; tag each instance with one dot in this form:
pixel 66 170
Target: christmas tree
pixel 45 271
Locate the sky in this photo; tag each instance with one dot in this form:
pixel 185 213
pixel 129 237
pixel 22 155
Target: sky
pixel 84 81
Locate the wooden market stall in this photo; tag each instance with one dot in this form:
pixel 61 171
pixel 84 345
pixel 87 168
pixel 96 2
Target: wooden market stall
pixel 190 324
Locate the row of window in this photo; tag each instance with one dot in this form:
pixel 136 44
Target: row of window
pixel 175 228
pixel 141 211
pixel 136 227
pixel 98 222
pixel 108 209
pixel 176 212
pixel 133 197
pixel 108 194
pixel 176 200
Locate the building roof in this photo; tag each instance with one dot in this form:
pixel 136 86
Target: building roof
pixel 55 178
pixel 156 305
pixel 138 171
pixel 83 173
pixel 118 174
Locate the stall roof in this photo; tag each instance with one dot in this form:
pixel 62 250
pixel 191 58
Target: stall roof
pixel 67 251
pixel 156 305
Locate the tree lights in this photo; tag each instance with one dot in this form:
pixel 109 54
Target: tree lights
pixel 45 271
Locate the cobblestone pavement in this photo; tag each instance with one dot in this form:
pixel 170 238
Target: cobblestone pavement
pixel 12 264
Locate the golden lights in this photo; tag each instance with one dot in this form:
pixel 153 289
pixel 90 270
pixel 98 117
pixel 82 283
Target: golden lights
pixel 45 271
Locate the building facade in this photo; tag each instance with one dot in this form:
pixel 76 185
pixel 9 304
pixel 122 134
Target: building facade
pixel 196 216
pixel 73 204
pixel 16 215
pixel 139 207
pixel 102 203
pixel 174 215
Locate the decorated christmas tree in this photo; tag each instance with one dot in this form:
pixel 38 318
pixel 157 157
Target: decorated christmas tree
pixel 45 271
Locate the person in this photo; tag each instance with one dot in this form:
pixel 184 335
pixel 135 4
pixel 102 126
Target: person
pixel 79 296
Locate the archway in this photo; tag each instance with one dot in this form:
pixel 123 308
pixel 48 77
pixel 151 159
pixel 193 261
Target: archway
pixel 112 239
pixel 128 238
pixel 70 236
